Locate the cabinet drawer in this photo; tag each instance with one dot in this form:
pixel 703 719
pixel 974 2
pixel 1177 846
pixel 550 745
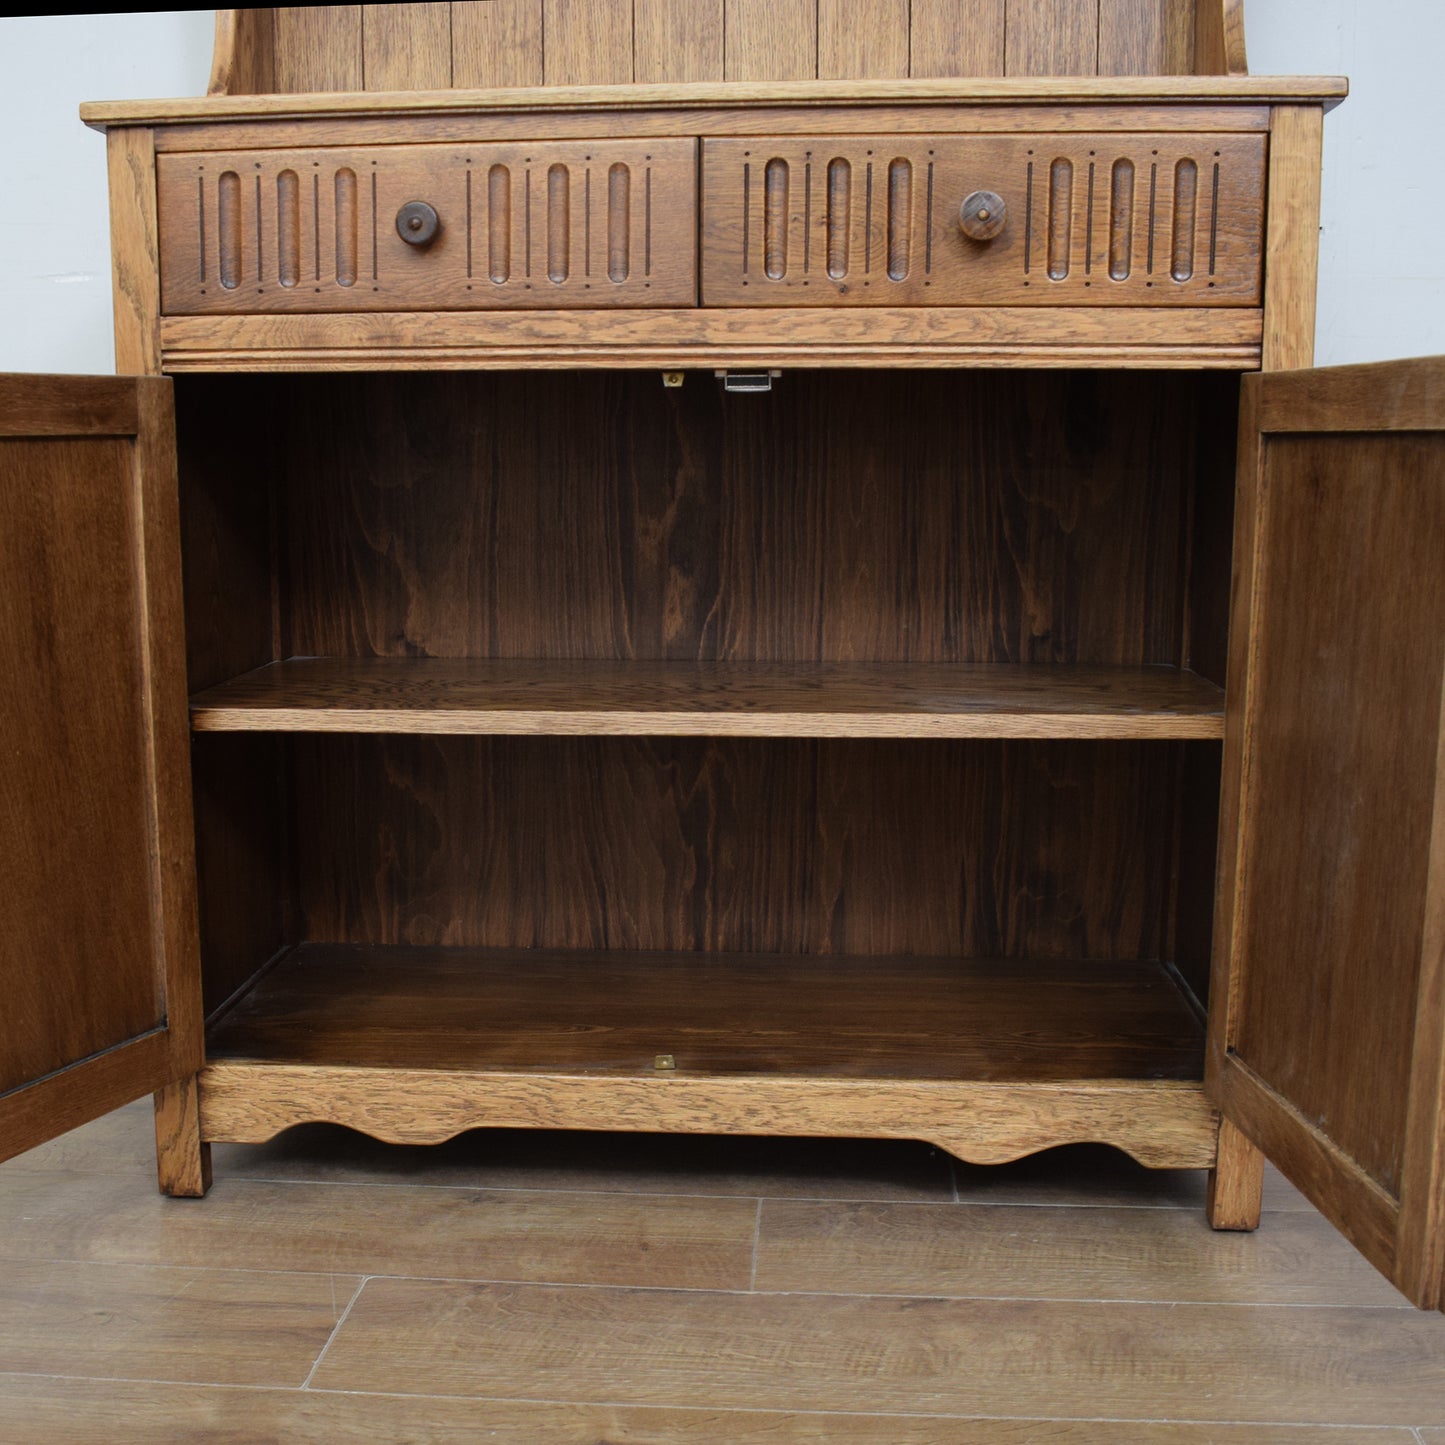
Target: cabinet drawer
pixel 1089 220
pixel 544 225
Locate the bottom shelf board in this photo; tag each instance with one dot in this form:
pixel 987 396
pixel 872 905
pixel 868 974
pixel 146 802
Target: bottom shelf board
pixel 617 1015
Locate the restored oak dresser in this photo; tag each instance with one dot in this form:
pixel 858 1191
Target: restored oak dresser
pixel 707 565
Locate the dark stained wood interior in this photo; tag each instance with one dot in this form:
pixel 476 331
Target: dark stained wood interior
pixel 949 517
pixel 783 846
pixel 858 519
pixel 1346 701
pixel 615 1013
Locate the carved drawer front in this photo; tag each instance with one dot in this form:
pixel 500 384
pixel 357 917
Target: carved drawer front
pixel 1086 220
pixel 552 224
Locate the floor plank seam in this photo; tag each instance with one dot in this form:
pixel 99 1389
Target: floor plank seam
pixel 713 1409
pixel 489 1280
pixel 757 1246
pixel 523 1282
pixel 335 1330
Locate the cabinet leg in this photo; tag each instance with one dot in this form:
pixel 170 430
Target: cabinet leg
pixel 183 1162
pixel 1236 1183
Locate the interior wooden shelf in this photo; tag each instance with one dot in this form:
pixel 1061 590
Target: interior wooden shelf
pixel 971 700
pixel 479 1010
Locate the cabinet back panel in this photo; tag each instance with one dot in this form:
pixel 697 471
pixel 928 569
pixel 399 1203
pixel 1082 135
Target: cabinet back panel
pixel 960 516
pixel 982 849
pixel 610 42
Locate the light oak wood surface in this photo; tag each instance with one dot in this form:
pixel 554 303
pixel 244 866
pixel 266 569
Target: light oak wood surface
pixel 1033 90
pixel 536 225
pixel 680 40
pixel 1186 338
pixel 427 695
pixel 872 220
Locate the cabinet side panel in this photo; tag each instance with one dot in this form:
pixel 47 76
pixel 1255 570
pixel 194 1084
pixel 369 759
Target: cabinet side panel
pixel 227 466
pixel 1345 703
pixel 988 850
pixel 938 517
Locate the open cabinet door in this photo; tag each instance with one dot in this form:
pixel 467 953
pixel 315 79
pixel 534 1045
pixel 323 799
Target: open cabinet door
pixel 99 974
pixel 1330 941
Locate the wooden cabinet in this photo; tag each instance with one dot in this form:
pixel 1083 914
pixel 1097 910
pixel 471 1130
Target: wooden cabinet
pixel 573 750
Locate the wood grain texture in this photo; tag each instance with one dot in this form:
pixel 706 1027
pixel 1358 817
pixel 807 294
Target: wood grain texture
pixel 521 225
pixel 1384 396
pixel 1328 1012
pixel 243 60
pixel 956 115
pixel 68 406
pixel 406 47
pixel 77 1412
pixel 613 1014
pixel 1054 1252
pixel 319 48
pixel 858 239
pixel 1014 850
pixel 99 964
pixel 587 42
pixel 739 94
pixel 728 699
pixel 690 524
pixel 770 40
pixel 672 42
pixel 840 1353
pixel 1338 504
pixel 590 1237
pixel 1363 1211
pixel 955 38
pixel 1293 237
pixel 862 39
pixel 1147 37
pixel 1052 37
pixel 1420 1248
pixel 135 251
pixel 1219 38
pixel 496 43
pixel 1236 1183
pixel 239 1326
pixel 1164 1125
pixel 183 1160
pixel 943 338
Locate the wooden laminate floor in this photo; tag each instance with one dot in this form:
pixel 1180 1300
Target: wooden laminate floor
pixel 531 1288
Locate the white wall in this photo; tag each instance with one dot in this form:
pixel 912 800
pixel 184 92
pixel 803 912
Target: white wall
pixel 1382 271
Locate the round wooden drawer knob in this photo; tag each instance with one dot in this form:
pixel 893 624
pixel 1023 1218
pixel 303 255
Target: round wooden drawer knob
pixel 981 217
pixel 418 223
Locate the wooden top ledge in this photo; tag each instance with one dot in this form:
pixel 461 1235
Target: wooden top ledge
pixel 1042 90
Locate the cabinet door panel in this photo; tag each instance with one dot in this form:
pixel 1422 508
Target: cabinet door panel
pixel 1333 905
pixel 98 961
